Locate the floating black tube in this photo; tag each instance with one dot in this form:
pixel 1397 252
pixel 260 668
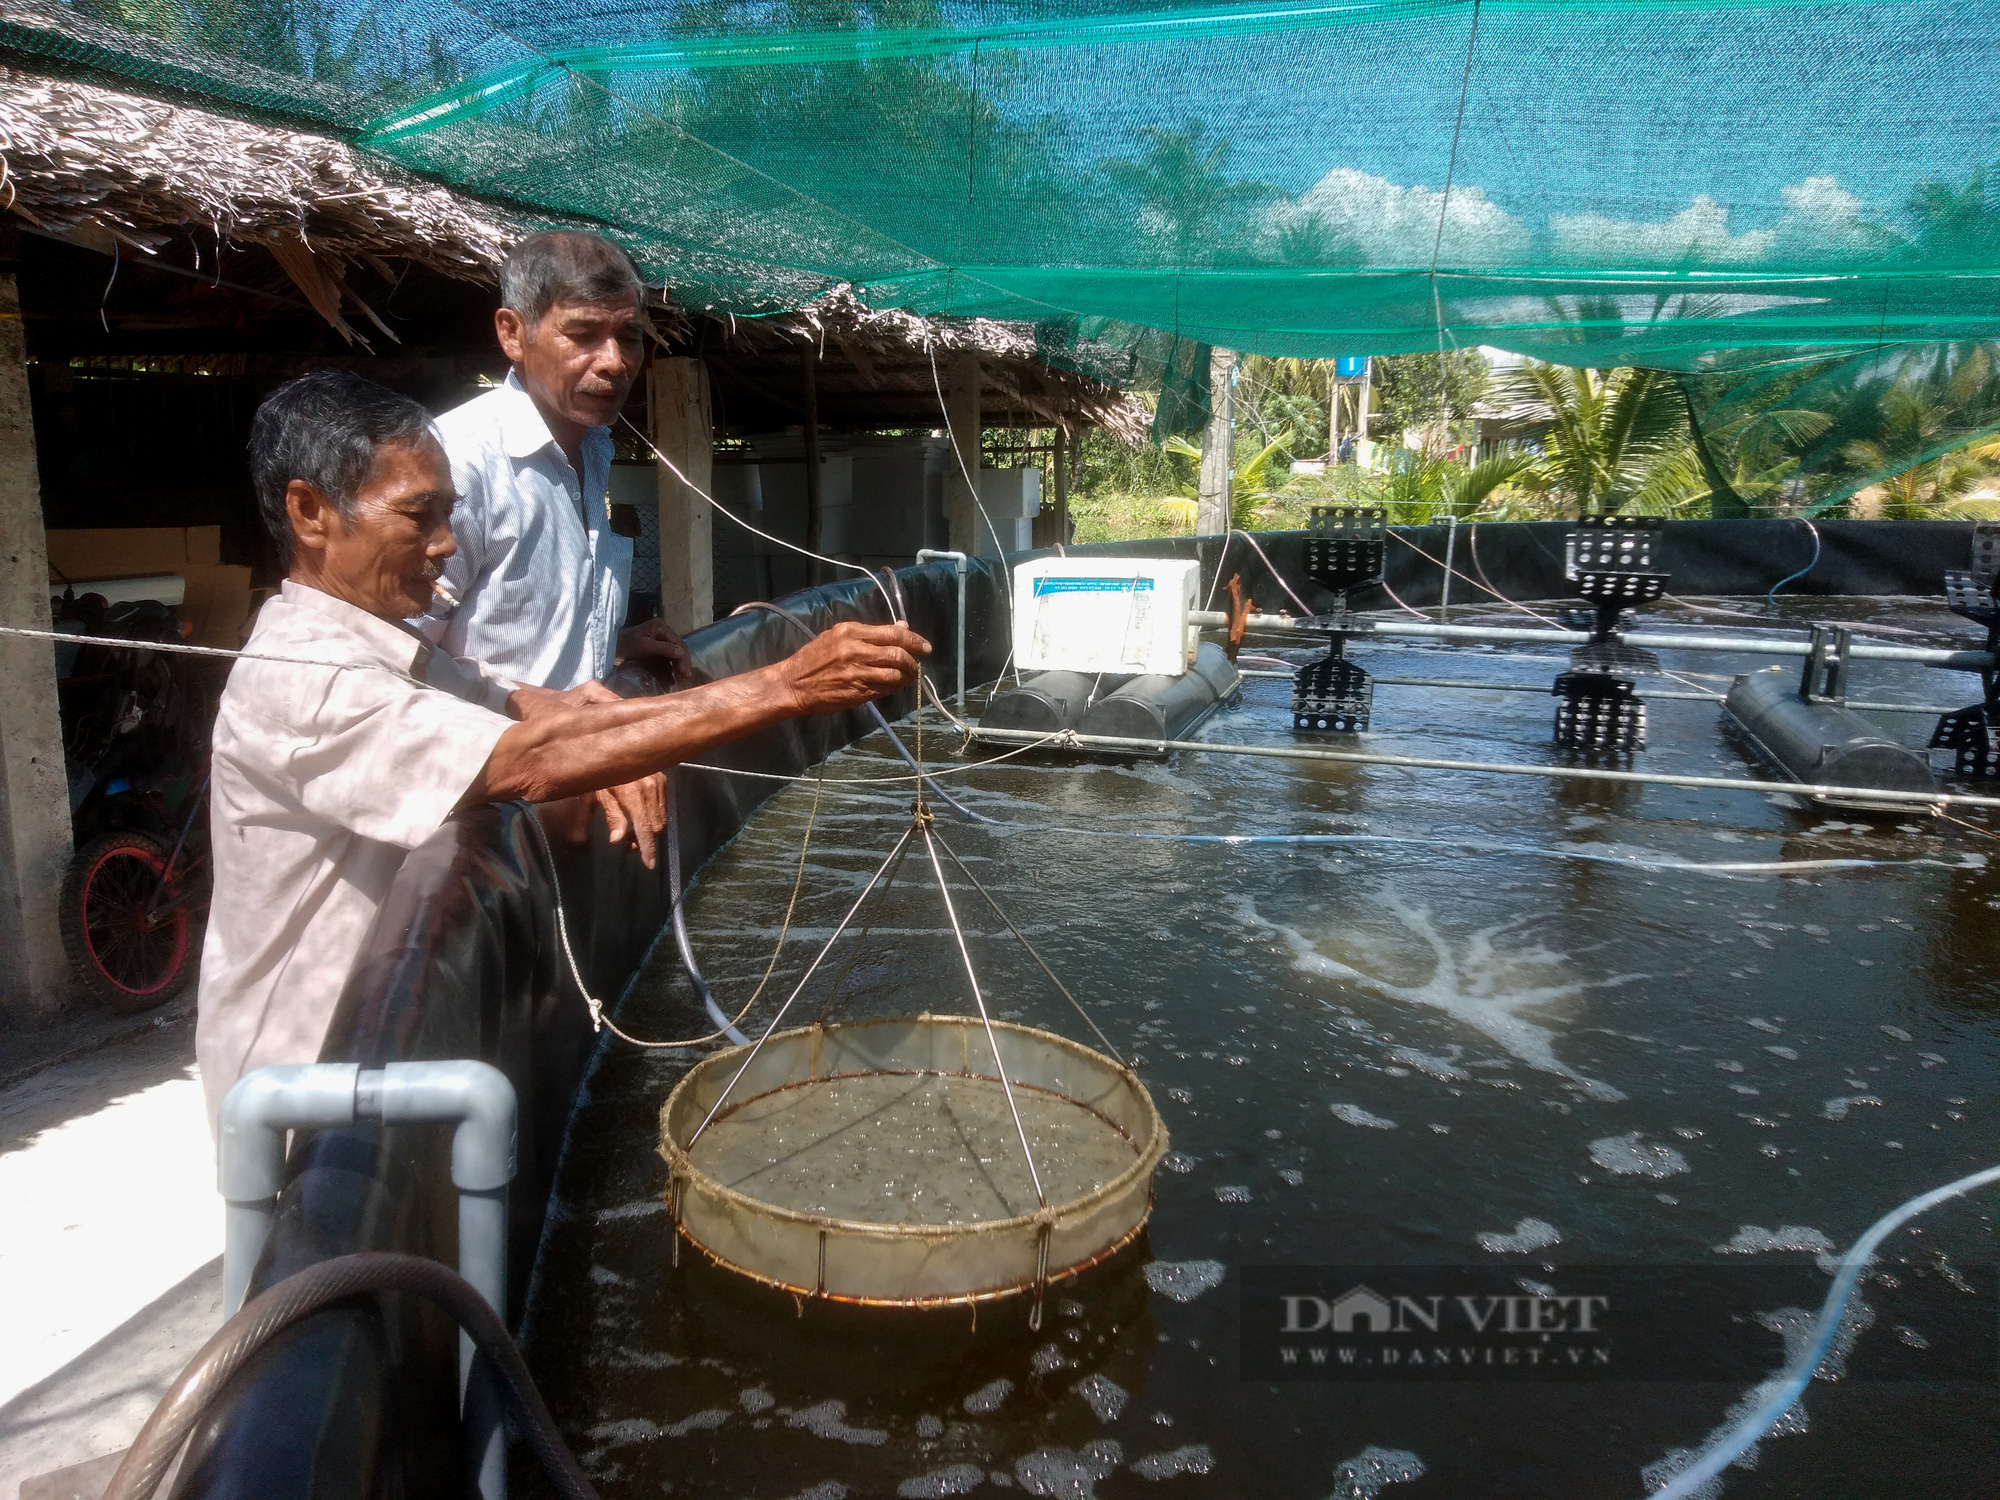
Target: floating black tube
pixel 1049 701
pixel 1166 708
pixel 1824 743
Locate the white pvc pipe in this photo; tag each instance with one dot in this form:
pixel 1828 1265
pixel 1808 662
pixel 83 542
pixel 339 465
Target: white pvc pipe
pixel 1964 661
pixel 475 1097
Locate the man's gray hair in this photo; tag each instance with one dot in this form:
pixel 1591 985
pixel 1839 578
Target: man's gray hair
pixel 324 428
pixel 565 265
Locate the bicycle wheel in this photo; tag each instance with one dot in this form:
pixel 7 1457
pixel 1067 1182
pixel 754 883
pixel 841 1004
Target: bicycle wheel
pixel 129 960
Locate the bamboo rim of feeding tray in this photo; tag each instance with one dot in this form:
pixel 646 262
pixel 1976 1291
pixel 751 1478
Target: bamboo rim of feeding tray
pixel 1148 1140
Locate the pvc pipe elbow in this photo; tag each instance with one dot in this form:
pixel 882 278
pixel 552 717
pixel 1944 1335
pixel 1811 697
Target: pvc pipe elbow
pixel 477 1096
pixel 261 1107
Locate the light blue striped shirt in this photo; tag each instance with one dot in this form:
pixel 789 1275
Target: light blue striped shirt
pixel 540 577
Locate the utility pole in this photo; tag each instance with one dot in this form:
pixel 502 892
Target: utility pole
pixel 1218 440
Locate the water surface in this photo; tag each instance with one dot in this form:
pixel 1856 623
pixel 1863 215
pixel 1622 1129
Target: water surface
pixel 1506 1025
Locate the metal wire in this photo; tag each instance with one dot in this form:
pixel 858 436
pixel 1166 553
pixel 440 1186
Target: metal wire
pixel 972 978
pixel 1002 915
pixel 799 988
pixel 1917 801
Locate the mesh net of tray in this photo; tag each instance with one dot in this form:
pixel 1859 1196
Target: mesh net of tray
pixel 878 1161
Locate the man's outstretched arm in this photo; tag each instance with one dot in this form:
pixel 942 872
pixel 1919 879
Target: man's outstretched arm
pixel 563 753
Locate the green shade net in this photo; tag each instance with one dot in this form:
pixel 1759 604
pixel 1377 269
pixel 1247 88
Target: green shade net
pixel 1707 186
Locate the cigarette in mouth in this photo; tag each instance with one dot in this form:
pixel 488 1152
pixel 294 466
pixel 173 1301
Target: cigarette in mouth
pixel 450 599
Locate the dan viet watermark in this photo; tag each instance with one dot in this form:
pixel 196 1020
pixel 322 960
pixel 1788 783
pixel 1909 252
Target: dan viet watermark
pixel 1484 1322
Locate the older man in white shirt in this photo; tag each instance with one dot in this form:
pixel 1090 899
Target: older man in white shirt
pixel 537 589
pixel 344 740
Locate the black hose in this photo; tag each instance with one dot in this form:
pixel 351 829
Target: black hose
pixel 296 1297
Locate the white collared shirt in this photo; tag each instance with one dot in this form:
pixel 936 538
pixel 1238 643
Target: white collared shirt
pixel 540 577
pixel 323 779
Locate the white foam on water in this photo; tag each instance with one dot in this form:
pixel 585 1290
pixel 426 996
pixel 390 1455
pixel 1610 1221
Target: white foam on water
pixel 1193 1459
pixel 1441 1068
pixel 1753 1240
pixel 1049 1358
pixel 988 1397
pixel 701 1421
pixel 1105 1398
pixel 826 1489
pixel 1067 1473
pixel 1896 1033
pixel 757 1399
pixel 929 1426
pixel 1529 1234
pixel 1184 1280
pixel 1632 1155
pixel 1480 982
pixel 1363 1476
pixel 828 1420
pixel 1836 1109
pixel 959 1479
pixel 645 1208
pixel 1232 1193
pixel 1354 1114
pixel 1178 1162
pixel 627 1430
pixel 1292 1176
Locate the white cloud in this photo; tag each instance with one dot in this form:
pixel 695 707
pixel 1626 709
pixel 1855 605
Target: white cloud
pixel 1699 233
pixel 1820 217
pixel 1391 225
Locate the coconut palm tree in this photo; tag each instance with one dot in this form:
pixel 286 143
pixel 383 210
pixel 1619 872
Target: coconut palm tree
pixel 1249 483
pixel 1618 439
pixel 1187 202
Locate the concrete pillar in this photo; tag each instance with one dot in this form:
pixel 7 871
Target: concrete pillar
pixel 1218 441
pixel 681 430
pixel 961 409
pixel 34 790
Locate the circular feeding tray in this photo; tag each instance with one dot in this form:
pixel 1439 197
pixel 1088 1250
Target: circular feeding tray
pixel 878 1161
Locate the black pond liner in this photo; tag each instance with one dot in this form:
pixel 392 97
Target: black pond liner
pixel 462 962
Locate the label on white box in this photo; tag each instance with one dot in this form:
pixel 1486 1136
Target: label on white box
pixel 1103 614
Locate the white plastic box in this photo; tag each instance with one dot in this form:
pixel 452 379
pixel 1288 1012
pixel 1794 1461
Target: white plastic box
pixel 1104 614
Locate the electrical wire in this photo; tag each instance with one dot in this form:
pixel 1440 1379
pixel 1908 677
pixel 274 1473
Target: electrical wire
pixel 1472 540
pixel 1464 578
pixel 1216 582
pixel 720 508
pixel 1785 1391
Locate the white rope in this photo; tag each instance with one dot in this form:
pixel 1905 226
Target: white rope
pixel 675 469
pixel 599 1021
pixel 174 648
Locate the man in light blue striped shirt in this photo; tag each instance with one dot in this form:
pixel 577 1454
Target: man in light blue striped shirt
pixel 537 589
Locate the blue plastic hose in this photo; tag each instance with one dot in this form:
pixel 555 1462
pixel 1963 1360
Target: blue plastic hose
pixel 1726 1449
pixel 1771 598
